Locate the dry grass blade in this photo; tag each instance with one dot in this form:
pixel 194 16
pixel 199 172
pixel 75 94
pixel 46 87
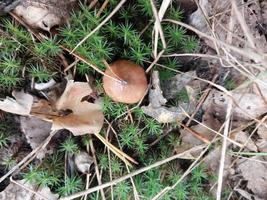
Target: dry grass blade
pixel 155 61
pixel 247 52
pixel 123 156
pixel 157 28
pixel 243 25
pixel 100 25
pixel 91 65
pixel 196 134
pixel 98 177
pixel 224 146
pixel 104 5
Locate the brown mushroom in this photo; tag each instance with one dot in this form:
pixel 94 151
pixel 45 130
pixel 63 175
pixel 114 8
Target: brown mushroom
pixel 129 82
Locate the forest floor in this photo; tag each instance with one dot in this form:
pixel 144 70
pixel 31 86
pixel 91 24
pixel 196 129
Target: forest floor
pixel 137 99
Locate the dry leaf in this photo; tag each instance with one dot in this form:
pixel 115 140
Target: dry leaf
pixel 163 114
pixel 189 138
pixel 83 161
pixel 255 173
pixel 247 195
pixel 156 97
pixel 45 14
pixel 243 138
pixel 36 131
pixel 85 117
pixel 16 192
pixel 21 105
pixel 246 105
pixel 73 95
pixel 157 108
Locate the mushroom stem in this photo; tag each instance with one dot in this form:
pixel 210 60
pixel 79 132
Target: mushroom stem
pixel 93 66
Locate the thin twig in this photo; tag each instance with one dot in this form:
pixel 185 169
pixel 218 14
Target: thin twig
pixel 196 134
pixel 104 5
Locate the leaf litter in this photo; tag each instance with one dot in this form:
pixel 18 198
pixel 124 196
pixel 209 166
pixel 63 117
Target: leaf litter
pixel 82 117
pixel 70 110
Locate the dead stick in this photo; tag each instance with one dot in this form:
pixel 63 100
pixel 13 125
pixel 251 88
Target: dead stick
pixel 198 135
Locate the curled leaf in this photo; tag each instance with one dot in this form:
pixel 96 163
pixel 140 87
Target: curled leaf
pixel 85 117
pixel 21 105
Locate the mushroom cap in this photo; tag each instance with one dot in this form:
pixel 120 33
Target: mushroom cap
pixel 134 84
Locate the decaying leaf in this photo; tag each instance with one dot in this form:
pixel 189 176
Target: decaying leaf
pixel 36 131
pixel 157 108
pixel 163 114
pixel 21 105
pixel 187 137
pixel 243 138
pixel 212 162
pixel 156 97
pixel 247 195
pixel 262 132
pixel 16 192
pixel 45 14
pixel 246 105
pixel 255 173
pixel 83 161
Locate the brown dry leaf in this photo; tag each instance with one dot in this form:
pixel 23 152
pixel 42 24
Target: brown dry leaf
pixel 45 14
pixel 212 161
pixel 73 95
pixel 16 192
pixel 85 117
pixel 43 109
pixel 255 173
pixel 21 105
pixel 262 132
